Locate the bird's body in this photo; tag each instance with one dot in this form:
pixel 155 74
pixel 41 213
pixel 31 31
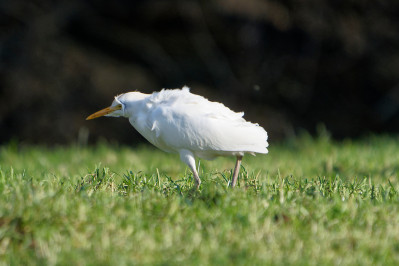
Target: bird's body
pixel 181 122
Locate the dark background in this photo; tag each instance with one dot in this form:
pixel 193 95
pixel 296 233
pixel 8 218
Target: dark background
pixel 290 65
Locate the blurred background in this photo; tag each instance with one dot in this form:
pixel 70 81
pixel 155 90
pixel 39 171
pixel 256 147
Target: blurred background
pixel 291 65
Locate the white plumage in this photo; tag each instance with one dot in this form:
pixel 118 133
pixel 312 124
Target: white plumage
pixel 188 124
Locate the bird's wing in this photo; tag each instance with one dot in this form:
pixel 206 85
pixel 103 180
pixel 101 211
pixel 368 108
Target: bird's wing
pixel 181 120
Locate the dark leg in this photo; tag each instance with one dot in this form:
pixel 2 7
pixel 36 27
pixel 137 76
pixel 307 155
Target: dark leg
pixel 236 171
pixel 196 178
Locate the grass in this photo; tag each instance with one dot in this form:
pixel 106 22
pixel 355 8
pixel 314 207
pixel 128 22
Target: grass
pixel 309 202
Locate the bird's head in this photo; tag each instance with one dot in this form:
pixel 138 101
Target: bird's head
pixel 121 106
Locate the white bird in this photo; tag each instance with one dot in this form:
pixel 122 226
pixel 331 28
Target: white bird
pixel 185 123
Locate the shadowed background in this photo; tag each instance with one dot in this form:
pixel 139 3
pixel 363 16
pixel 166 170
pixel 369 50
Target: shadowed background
pixel 290 65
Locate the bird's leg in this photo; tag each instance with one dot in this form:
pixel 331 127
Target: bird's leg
pixel 188 157
pixel 236 171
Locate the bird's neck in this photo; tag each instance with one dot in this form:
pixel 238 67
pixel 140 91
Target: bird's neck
pixel 137 107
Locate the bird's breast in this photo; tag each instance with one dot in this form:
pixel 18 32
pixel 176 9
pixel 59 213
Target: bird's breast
pixel 151 132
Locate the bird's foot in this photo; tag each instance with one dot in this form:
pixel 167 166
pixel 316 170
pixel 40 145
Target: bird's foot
pixel 197 185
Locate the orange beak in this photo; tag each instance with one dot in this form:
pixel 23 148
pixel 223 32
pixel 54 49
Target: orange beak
pixel 104 111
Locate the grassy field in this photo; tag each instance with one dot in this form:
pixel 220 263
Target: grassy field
pixel 309 202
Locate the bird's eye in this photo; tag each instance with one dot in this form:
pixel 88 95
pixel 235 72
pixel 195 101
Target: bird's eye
pixel 118 106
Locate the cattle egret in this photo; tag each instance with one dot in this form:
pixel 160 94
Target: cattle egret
pixel 185 123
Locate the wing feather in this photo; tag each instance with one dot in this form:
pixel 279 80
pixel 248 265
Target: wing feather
pixel 188 121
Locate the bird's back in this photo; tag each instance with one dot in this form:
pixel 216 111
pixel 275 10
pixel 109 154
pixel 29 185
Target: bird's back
pixel 179 120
